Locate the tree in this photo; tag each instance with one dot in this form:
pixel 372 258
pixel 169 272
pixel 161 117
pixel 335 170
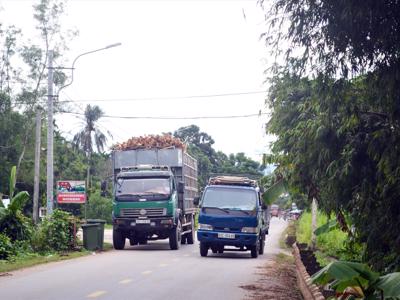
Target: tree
pixel 209 161
pixel 336 112
pixel 90 135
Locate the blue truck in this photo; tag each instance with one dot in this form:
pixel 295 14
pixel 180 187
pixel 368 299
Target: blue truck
pixel 232 216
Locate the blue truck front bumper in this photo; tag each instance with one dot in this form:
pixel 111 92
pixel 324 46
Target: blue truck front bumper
pixel 239 239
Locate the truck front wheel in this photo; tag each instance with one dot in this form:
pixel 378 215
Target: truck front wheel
pixel 175 236
pixel 118 240
pixel 203 249
pixel 262 244
pixel 255 249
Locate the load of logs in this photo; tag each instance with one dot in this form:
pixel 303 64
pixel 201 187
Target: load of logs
pixel 150 142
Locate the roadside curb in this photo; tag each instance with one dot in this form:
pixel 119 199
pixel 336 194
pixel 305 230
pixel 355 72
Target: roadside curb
pixel 309 290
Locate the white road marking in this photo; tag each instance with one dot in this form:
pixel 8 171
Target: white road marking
pixel 147 272
pixel 96 294
pixel 125 281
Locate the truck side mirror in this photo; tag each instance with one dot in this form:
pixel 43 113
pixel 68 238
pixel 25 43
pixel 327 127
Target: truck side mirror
pixel 103 188
pixel 181 187
pixel 263 205
pixel 196 200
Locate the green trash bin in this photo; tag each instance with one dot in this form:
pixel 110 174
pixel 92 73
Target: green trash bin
pixel 90 236
pixel 100 230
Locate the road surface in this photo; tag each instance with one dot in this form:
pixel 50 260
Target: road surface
pixel 143 272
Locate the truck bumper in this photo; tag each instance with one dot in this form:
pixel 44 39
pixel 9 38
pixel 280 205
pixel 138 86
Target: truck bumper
pixel 240 239
pixel 152 225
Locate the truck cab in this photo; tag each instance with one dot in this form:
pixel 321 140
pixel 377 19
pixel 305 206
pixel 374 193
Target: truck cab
pixel 232 217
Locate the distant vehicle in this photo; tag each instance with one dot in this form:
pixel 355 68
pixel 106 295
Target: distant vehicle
pixel 232 214
pixel 274 210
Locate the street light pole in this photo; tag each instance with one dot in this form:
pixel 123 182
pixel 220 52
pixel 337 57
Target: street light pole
pixel 50 128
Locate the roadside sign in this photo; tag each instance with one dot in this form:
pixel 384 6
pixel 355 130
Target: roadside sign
pixel 70 191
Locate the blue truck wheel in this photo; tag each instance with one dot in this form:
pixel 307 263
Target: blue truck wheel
pixel 203 249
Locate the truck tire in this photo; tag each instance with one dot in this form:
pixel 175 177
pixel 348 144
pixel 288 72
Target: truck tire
pixel 203 249
pixel 175 236
pixel 118 240
pixel 262 244
pixel 255 249
pixel 190 236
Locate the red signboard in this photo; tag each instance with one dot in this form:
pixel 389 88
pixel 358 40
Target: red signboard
pixel 71 192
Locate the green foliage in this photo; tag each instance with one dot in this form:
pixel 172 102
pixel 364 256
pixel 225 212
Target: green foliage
pixel 338 134
pixel 16 226
pixel 6 249
pixel 12 222
pixel 332 145
pixel 331 243
pixel 99 207
pixel 365 283
pixel 55 233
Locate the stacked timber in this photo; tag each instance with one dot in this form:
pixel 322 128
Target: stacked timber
pixel 150 142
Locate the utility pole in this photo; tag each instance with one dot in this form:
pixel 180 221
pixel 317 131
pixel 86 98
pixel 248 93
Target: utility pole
pixel 37 167
pixel 50 174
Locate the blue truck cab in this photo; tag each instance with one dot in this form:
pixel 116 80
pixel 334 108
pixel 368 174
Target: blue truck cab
pixel 232 216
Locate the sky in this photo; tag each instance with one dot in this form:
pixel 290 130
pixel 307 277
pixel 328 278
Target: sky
pixel 174 56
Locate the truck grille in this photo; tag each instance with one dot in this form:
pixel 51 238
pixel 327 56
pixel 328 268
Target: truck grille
pixel 143 212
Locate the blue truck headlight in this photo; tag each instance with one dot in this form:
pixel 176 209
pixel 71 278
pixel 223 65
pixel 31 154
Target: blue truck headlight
pixel 205 227
pixel 249 229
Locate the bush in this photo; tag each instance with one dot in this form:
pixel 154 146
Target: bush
pixel 6 249
pixel 55 233
pixel 99 207
pixel 16 226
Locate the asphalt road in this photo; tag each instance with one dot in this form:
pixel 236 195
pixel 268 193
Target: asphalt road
pixel 143 272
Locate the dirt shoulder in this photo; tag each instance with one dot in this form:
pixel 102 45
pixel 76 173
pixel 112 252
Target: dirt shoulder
pixel 276 280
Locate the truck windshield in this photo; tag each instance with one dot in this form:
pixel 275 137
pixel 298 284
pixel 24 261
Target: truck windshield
pixel 230 199
pixel 143 186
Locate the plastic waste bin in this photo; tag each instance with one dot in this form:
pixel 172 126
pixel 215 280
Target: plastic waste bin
pixel 90 236
pixel 100 230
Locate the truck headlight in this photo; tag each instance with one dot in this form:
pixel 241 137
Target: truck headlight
pixel 205 227
pixel 249 229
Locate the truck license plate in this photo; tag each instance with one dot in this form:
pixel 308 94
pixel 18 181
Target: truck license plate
pixel 143 221
pixel 226 235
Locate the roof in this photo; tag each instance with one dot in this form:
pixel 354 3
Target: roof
pixel 232 180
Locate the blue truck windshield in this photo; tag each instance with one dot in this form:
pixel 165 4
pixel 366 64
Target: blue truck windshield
pixel 143 186
pixel 230 198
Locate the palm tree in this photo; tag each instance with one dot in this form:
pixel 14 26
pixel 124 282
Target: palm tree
pixel 91 135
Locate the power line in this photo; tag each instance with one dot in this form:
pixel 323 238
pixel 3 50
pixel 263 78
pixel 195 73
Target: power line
pixel 175 118
pixel 166 98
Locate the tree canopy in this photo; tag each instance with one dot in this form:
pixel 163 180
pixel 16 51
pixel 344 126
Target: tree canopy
pixel 336 113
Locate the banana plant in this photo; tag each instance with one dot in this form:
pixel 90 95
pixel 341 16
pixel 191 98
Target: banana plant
pixel 353 280
pixel 17 201
pixel 10 217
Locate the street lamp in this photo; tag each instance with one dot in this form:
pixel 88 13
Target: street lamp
pixel 50 128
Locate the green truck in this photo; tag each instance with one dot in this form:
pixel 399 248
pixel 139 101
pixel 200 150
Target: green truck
pixel 153 193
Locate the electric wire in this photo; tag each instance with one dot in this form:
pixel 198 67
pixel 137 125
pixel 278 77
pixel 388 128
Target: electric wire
pixel 176 118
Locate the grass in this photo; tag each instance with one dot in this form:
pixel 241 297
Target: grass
pixel 290 230
pixel 108 226
pixel 33 259
pixel 282 258
pixel 330 244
